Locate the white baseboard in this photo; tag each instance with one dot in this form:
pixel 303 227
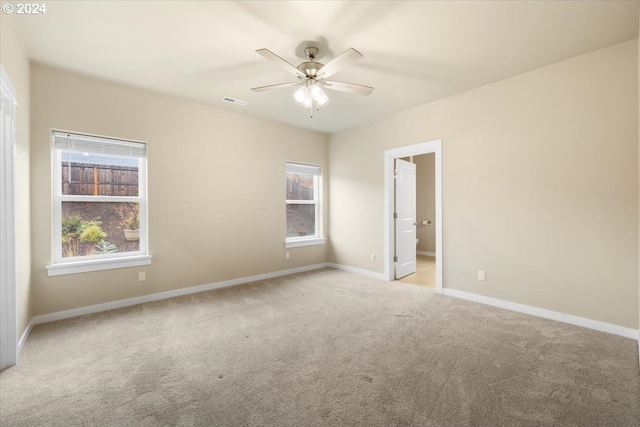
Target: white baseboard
pixel 547 314
pixel 426 253
pixel 25 335
pixel 50 317
pixel 360 271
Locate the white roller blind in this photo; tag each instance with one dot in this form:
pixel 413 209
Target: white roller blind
pixel 98 145
pixel 302 169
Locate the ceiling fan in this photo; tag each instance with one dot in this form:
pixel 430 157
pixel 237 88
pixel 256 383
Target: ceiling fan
pixel 312 76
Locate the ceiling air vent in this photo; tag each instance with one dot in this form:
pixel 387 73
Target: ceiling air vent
pixel 234 101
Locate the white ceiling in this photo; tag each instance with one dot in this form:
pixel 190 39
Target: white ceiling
pixel 414 52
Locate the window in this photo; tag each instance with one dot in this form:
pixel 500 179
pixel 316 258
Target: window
pixel 99 204
pixel 303 205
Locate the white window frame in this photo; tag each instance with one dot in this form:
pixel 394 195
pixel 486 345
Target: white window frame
pixel 316 239
pixel 81 264
pixel 9 344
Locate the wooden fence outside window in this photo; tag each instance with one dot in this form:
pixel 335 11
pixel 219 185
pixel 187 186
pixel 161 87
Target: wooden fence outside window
pixel 99 180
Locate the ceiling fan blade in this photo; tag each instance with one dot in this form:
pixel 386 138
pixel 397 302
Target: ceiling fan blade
pixel 278 86
pixel 348 87
pixel 339 62
pixel 280 62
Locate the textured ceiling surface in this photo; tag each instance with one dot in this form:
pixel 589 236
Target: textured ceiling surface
pixel 414 52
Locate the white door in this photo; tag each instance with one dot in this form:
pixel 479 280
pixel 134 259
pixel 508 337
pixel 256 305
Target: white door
pixel 405 218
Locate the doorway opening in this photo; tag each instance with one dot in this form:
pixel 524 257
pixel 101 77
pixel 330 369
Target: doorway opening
pixel 403 226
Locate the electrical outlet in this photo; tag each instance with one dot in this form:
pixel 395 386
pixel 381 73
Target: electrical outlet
pixel 141 276
pixel 481 275
pixel 373 257
pixel 286 255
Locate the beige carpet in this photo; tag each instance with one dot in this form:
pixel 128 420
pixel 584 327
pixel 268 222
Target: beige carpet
pixel 325 348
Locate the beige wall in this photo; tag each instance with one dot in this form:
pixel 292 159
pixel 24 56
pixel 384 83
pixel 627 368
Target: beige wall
pixel 540 186
pixel 216 188
pixel 426 201
pixel 13 58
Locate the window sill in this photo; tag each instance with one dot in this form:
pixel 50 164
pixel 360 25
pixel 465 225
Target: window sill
pixel 64 268
pixel 308 241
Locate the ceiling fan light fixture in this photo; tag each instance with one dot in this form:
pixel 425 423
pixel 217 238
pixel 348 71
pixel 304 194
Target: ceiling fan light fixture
pixel 309 94
pixel 318 94
pixel 307 103
pixel 302 95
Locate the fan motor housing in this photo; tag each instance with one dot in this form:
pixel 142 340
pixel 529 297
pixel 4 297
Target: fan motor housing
pixel 310 68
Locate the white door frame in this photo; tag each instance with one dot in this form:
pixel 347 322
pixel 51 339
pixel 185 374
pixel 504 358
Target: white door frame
pixel 8 261
pixel 389 157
